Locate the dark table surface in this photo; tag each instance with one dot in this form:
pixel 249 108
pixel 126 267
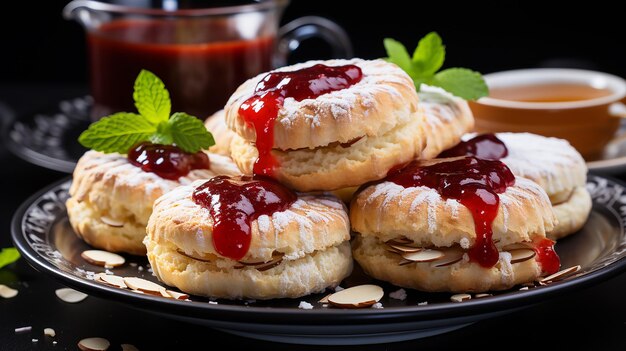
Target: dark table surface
pixel 594 318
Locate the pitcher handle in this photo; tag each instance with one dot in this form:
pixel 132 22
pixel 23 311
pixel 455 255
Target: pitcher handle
pixel 293 33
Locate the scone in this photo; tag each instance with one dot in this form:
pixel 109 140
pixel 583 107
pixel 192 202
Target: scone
pixel 243 238
pixel 456 225
pixel 216 124
pixel 111 199
pixel 326 125
pixel 550 162
pixel 447 119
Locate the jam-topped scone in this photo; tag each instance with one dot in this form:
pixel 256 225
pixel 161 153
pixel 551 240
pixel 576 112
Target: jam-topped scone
pixel 447 119
pixel 326 125
pixel 550 162
pixel 239 237
pixel 459 225
pixel 135 158
pixel 112 194
pixel 216 124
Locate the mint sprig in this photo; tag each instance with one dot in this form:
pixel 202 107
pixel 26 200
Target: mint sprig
pixel 8 256
pixel 423 67
pixel 121 131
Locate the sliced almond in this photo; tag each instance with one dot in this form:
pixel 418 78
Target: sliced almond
pixel 480 296
pixel 94 344
pixel 392 250
pixel 269 265
pixel 460 297
pixel 49 332
pixel 450 256
pixel 517 246
pixel 521 255
pixel 193 257
pixel 111 222
pixel 129 347
pixel 112 280
pixel 103 258
pixel 324 299
pixel 405 248
pixel 70 295
pixel 562 274
pixel 7 292
pixel 427 255
pixel 143 285
pixel 177 295
pixel 357 296
pixel 400 241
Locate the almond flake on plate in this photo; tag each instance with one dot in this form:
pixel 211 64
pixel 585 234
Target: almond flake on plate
pixel 94 344
pixel 482 295
pixel 305 305
pixel 102 258
pixel 112 280
pixel 562 274
pixel 177 295
pixel 143 285
pixel 23 329
pixel 49 332
pixel 6 292
pixel 460 297
pixel 129 347
pixel 357 296
pixel 70 295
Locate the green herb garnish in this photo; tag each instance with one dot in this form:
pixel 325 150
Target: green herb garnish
pixel 8 256
pixel 121 131
pixel 424 67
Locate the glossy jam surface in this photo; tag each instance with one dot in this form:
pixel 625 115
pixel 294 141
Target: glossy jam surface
pixel 261 109
pixel 167 161
pixel 475 183
pixel 485 146
pixel 546 256
pixel 234 202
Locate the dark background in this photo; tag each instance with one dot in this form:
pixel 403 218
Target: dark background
pixel 38 45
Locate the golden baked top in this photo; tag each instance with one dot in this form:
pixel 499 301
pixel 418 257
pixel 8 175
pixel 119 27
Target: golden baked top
pixel 311 223
pixel 384 98
pixel 388 211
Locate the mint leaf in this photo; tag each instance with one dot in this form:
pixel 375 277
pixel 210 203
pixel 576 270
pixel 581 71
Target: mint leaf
pixel 8 256
pixel 429 55
pixel 397 54
pixel 151 98
pixel 117 133
pixel 461 82
pixel 189 133
pixel 163 134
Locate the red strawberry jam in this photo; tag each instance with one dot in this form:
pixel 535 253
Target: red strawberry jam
pixel 261 109
pixel 475 183
pixel 167 161
pixel 485 146
pixel 233 203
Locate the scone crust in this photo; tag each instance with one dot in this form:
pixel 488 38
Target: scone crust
pixel 446 119
pixel 292 278
pixel 384 98
pixel 216 124
pixel 337 166
pixel 550 162
pixel 312 223
pixel 108 185
pixel 463 276
pixel 571 214
pixel 387 211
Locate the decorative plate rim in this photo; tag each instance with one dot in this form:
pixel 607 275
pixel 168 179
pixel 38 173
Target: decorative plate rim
pixel 276 315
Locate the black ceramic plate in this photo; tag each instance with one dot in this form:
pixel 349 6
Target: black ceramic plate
pixel 41 232
pixel 49 139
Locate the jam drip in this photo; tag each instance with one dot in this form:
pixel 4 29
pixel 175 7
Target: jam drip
pixel 233 203
pixel 261 109
pixel 546 256
pixel 167 161
pixel 475 183
pixel 485 146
